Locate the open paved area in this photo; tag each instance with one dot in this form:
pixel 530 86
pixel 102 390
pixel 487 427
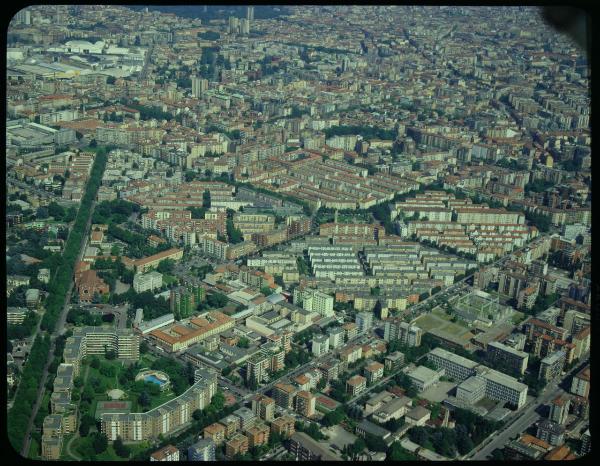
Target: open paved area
pixel 439 392
pixel 339 437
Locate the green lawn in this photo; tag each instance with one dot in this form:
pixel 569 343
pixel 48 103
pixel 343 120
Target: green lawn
pixel 162 398
pixel 63 452
pixel 34 449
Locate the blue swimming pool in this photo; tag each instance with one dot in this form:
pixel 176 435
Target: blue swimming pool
pixel 154 379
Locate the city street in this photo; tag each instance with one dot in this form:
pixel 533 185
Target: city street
pixel 522 420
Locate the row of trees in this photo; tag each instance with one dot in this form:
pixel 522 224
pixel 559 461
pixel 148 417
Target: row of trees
pixel 62 278
pixel 26 394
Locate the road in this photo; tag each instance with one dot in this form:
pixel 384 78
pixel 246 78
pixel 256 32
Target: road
pixel 521 422
pixel 59 329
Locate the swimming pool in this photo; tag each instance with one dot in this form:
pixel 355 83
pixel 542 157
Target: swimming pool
pixel 152 378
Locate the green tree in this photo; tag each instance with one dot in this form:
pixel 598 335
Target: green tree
pixel 121 449
pixel 99 442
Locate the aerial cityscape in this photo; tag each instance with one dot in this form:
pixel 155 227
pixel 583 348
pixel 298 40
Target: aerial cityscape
pixel 297 233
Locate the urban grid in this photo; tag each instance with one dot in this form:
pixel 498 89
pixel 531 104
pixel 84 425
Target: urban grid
pixel 297 233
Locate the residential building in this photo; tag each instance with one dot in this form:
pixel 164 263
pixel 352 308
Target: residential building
pixel 455 366
pixel 147 282
pixel 305 403
pixel 257 434
pixel 498 353
pixel 168 453
pixel 263 407
pixel 336 337
pixel 305 448
pixel 559 410
pixel 364 321
pixel 471 390
pixel 284 394
pixel 422 377
pixel 314 300
pixel 394 360
pixel 356 385
pixel 580 385
pixel 320 345
pixel 501 387
pixel 373 372
pixel 236 445
pixel 552 366
pixel 551 432
pixel 202 450
pixel 396 329
pixel 215 432
pixel 284 426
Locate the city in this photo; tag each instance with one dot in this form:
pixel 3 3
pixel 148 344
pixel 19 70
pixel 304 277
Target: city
pixel 297 233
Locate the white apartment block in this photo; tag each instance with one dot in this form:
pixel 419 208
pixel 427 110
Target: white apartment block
pixel 320 345
pixel 397 330
pixel 147 281
pixel 456 367
pixel 313 300
pixel 501 387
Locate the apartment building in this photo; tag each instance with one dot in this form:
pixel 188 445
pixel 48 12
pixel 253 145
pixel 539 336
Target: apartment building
pixel 422 377
pixel 96 340
pixel 314 300
pixel 305 403
pixel 320 345
pixel 580 385
pixel 364 321
pixel 147 282
pixel 551 366
pixel 203 450
pixel 150 262
pixel 455 366
pixel 238 444
pixel 551 432
pixel 215 432
pixel 304 448
pixel 501 387
pixel 559 410
pixel 394 361
pixel 505 355
pixel 356 385
pixel 350 330
pixel 284 426
pixel 162 420
pixel 257 434
pixel 396 329
pixel 284 395
pixel 263 407
pixel 471 390
pixel 253 223
pixel 257 367
pixel 168 453
pixel 373 372
pixel 336 337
